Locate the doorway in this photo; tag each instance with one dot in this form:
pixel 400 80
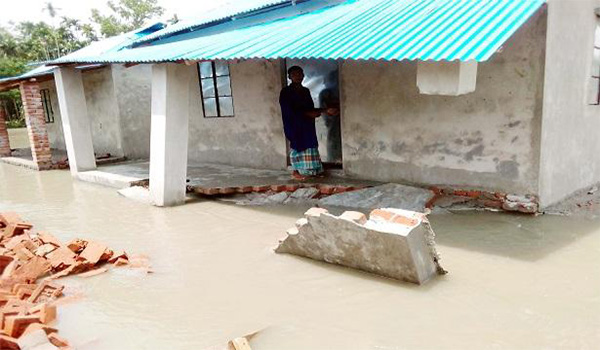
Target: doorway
pixel 322 79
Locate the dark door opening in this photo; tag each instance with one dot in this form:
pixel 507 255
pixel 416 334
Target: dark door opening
pixel 322 79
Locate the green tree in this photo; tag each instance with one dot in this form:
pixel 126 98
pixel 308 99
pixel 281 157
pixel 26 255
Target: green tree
pixel 125 16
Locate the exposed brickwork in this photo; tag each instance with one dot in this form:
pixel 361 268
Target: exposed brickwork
pixel 528 204
pixel 4 142
pixel 324 190
pixel 36 125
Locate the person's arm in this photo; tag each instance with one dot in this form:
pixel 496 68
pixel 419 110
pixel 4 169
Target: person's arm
pixel 311 111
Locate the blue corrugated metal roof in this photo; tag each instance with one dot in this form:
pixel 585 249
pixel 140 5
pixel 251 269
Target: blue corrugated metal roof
pixel 230 10
pixel 96 48
pixel 357 29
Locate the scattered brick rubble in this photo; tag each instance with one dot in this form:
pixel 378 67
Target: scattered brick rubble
pixel 447 197
pixel 324 190
pixel 393 243
pixel 29 265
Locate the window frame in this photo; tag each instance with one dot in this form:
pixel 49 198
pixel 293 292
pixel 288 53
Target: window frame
pixel 217 96
pixel 47 106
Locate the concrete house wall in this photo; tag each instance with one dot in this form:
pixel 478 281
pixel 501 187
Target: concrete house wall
pixel 570 158
pixel 103 111
pixel 55 130
pixel 489 138
pixel 254 136
pixel 133 89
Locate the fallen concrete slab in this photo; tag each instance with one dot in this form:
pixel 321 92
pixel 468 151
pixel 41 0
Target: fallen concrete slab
pixel 393 243
pixel 384 196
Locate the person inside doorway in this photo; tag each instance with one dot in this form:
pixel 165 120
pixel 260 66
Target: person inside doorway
pixel 299 113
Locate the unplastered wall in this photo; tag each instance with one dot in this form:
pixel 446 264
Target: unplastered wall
pixel 254 137
pixel 570 158
pixel 55 130
pixel 133 87
pixel 103 111
pixel 487 139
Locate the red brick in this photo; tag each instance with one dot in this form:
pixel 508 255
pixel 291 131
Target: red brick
pixel 56 340
pixel 14 326
pixel 292 187
pixel 263 188
pixel 277 188
pixel 93 252
pixel 244 189
pixel 8 343
pixel 46 292
pixel 45 311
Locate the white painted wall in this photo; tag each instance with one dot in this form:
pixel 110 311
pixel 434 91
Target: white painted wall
pixel 487 139
pixel 570 158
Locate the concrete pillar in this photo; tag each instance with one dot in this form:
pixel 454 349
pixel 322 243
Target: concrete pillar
pixel 36 125
pixel 4 141
pixel 75 120
pixel 169 132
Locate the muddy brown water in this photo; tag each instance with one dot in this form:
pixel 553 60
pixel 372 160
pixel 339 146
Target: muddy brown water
pixel 515 282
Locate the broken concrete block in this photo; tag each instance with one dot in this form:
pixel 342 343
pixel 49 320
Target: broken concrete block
pixel 394 243
pixel 316 212
pixel 93 252
pixel 305 193
pixel 385 196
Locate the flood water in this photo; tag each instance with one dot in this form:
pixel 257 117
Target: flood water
pixel 515 282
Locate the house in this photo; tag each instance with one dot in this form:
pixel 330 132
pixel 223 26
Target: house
pixel 500 95
pixel 113 112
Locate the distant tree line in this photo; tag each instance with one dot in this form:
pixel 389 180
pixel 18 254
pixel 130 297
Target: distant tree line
pixel 29 42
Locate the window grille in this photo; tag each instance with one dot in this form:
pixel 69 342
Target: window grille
pixel 215 88
pixel 47 106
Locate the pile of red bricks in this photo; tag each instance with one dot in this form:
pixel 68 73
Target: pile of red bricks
pixel 29 263
pixel 324 190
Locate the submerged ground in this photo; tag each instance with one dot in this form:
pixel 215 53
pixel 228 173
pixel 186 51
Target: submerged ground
pixel 515 282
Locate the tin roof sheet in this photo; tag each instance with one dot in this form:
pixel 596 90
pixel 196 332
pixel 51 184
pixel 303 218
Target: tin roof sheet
pixel 357 29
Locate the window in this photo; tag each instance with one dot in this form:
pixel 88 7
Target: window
pixel 47 106
pixel 215 87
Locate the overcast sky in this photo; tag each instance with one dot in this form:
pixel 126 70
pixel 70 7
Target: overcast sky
pixel 31 10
